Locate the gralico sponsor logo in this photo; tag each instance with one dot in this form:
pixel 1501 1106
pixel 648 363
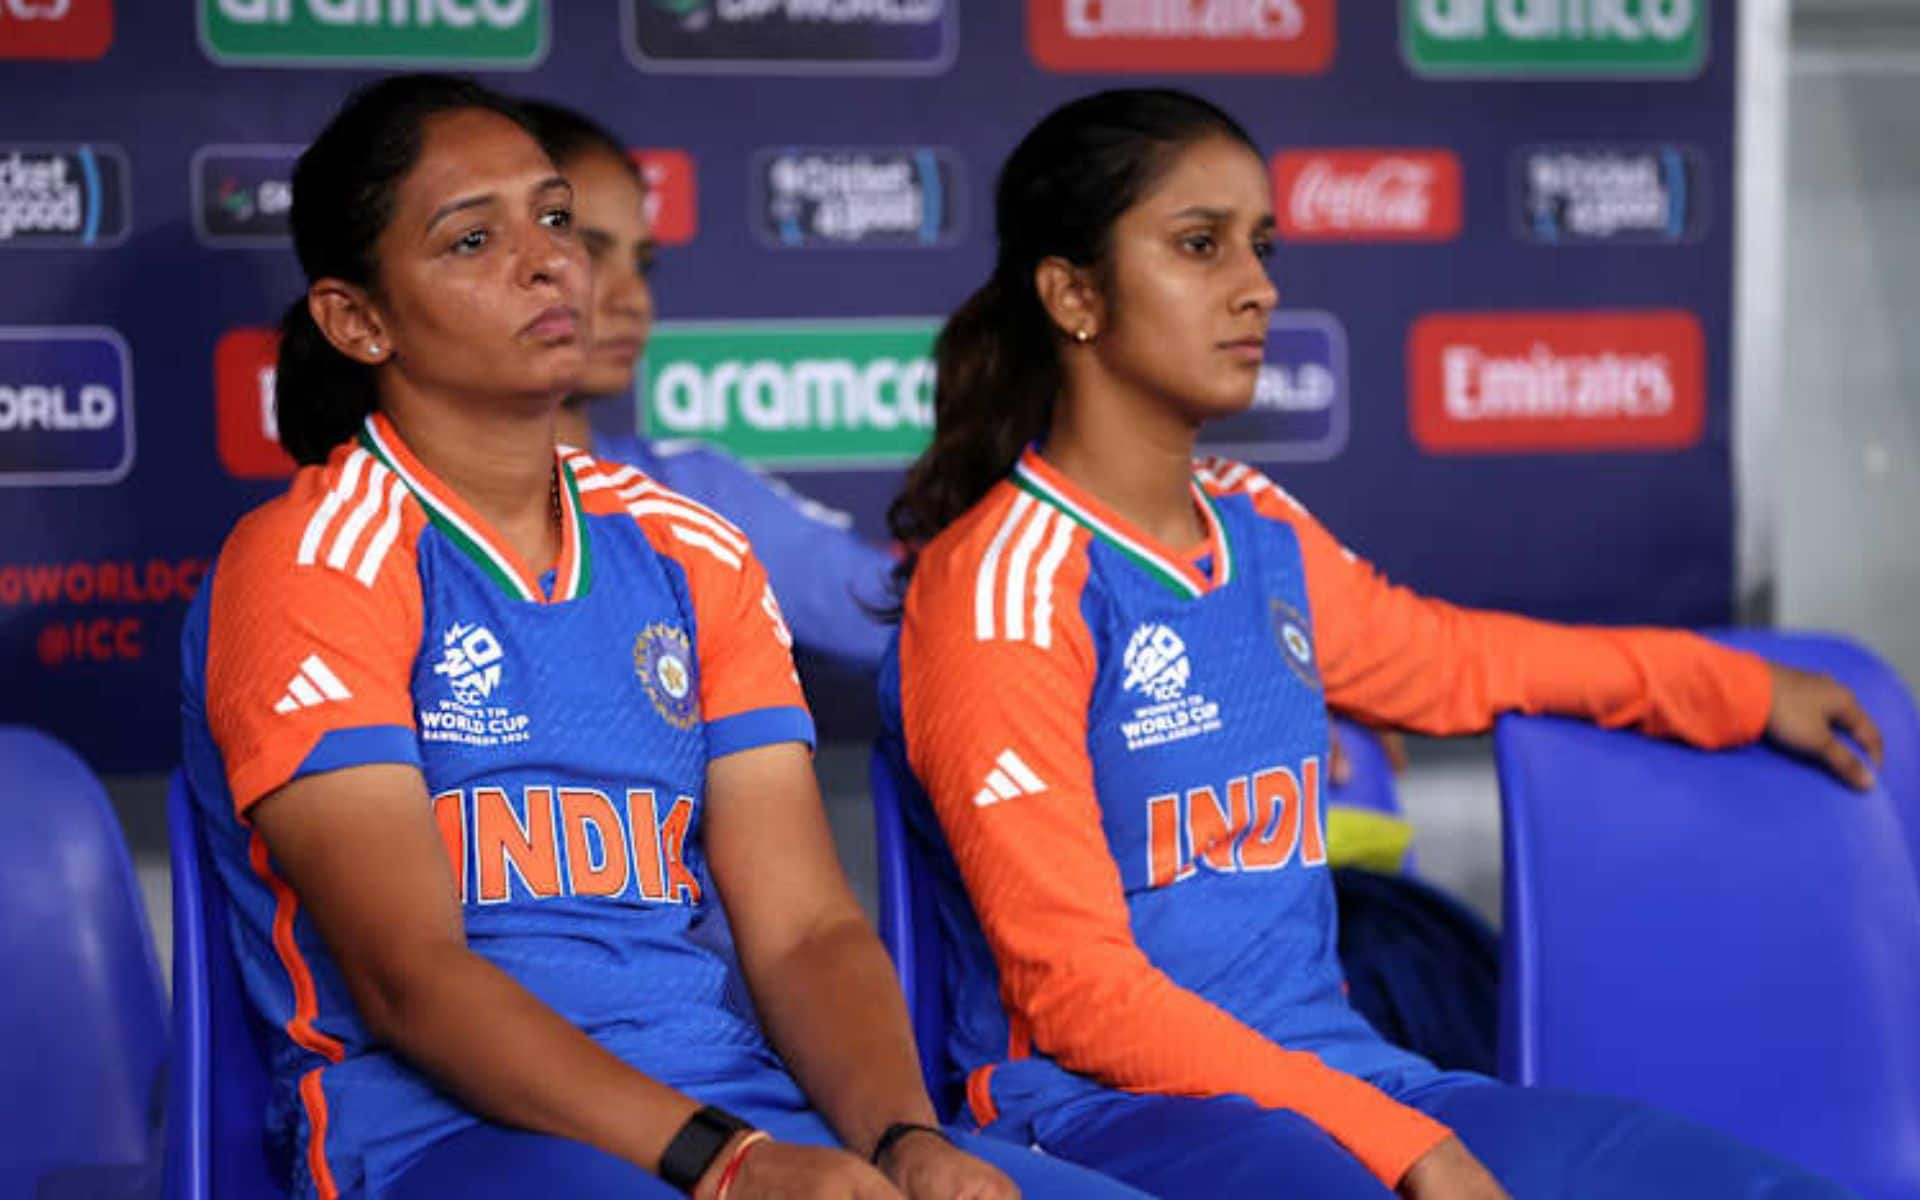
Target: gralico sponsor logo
pixel 1554 37
pixel 794 394
pixel 55 29
pixel 1367 195
pixel 497 34
pixel 1232 37
pixel 246 433
pixel 66 406
pixel 1532 382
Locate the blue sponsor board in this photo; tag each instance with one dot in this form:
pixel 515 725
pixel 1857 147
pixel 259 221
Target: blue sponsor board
pixel 62 196
pixel 841 197
pixel 881 37
pixel 1300 411
pixel 243 195
pixel 1581 194
pixel 66 407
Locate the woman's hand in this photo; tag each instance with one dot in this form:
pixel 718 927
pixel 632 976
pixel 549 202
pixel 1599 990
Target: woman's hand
pixel 787 1171
pixel 1450 1172
pixel 1806 708
pixel 929 1168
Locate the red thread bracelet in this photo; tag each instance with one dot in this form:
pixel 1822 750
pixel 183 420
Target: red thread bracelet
pixel 737 1161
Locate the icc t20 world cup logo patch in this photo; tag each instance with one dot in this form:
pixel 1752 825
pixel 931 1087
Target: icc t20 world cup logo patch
pixel 663 660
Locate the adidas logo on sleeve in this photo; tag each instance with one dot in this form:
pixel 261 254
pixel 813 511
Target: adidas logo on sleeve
pixel 1009 778
pixel 312 685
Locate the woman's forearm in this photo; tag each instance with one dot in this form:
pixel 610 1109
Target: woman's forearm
pixel 480 1035
pixel 832 1008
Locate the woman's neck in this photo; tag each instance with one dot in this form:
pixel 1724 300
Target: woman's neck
pixel 570 424
pixel 1133 455
pixel 500 461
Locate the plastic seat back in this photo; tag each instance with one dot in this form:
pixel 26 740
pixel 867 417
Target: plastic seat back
pixel 216 1141
pixel 82 1011
pixel 909 919
pixel 1732 936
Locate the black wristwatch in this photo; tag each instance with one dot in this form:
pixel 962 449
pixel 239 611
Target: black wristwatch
pixel 698 1143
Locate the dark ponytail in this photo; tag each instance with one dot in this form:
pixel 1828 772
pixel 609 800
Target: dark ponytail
pixel 997 359
pixel 343 195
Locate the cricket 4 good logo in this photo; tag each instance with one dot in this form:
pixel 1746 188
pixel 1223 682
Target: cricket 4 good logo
pixel 842 197
pixel 673 194
pixel 1531 382
pixel 1233 37
pixel 243 195
pixel 62 196
pixel 1367 195
pixel 246 431
pixel 66 406
pixel 55 29
pixel 771 37
pixel 1582 194
pixel 795 394
pixel 1554 37
pixel 496 34
pixel 1300 411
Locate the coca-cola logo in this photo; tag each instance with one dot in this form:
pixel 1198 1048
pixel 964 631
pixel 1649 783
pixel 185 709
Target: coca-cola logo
pixel 1367 195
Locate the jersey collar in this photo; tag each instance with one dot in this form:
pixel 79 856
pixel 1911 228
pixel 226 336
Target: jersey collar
pixel 464 528
pixel 1174 571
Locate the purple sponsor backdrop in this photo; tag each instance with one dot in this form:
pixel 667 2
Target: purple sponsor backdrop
pixel 92 576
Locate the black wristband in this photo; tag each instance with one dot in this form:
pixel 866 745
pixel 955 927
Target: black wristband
pixel 698 1143
pixel 898 1130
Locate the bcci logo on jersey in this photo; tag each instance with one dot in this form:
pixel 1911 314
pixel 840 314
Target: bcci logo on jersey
pixel 843 197
pixel 1290 630
pixel 1608 194
pixel 1157 666
pixel 63 196
pixel 1299 411
pixel 833 37
pixel 66 407
pixel 472 661
pixel 663 659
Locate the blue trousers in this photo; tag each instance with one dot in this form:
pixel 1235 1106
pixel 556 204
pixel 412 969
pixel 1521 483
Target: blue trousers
pixel 1538 1143
pixel 490 1162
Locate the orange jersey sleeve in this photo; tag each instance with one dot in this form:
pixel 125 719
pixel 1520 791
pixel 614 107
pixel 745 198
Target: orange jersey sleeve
pixel 314 624
pixel 1390 656
pixel 989 709
pixel 750 693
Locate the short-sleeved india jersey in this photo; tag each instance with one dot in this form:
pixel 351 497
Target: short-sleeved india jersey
pixel 563 724
pixel 1124 745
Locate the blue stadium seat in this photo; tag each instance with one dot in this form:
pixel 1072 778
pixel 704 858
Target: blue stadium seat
pixel 82 1012
pixel 1734 937
pixel 1370 786
pixel 216 1138
pixel 909 918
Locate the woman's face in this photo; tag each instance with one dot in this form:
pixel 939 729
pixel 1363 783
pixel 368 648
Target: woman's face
pixel 1187 290
pixel 610 213
pixel 483 283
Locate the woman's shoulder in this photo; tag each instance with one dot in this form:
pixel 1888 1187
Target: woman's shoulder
pixel 349 515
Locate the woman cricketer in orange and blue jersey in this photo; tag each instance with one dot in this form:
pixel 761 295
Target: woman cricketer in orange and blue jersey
pixel 1112 677
pixel 467 714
